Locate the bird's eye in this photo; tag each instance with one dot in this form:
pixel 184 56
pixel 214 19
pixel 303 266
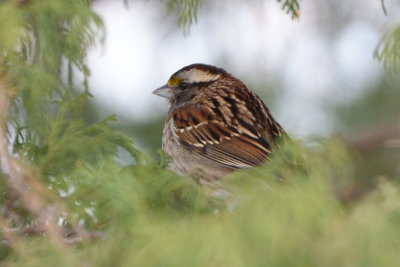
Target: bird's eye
pixel 183 86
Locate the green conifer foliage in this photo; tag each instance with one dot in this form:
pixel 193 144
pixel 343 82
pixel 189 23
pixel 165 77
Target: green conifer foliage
pixel 388 50
pixel 44 138
pixel 67 200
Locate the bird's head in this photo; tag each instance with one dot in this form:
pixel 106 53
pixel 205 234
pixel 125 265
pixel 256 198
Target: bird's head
pixel 183 84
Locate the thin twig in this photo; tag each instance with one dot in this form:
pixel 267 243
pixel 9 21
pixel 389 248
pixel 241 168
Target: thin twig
pixel 383 7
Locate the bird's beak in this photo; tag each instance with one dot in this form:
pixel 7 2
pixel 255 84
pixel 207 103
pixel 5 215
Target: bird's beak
pixel 163 91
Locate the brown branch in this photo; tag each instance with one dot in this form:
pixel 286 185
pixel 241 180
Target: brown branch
pixel 382 136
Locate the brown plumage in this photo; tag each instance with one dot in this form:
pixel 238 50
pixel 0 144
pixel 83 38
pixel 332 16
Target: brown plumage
pixel 215 124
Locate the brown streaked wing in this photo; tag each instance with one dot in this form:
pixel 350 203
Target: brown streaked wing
pixel 201 130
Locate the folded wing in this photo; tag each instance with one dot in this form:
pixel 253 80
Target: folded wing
pixel 207 133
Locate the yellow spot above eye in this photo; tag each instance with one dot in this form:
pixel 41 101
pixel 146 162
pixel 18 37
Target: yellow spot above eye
pixel 174 81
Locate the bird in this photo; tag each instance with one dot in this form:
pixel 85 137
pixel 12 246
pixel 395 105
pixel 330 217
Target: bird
pixel 215 124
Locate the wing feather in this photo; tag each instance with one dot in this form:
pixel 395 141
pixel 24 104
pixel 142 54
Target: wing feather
pixel 208 135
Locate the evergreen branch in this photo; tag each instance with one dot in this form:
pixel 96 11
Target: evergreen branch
pixel 25 183
pixel 46 118
pixel 187 11
pixel 22 179
pixel 388 50
pixel 165 159
pixel 291 7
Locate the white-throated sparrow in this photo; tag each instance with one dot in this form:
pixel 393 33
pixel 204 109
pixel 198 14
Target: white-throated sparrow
pixel 215 124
